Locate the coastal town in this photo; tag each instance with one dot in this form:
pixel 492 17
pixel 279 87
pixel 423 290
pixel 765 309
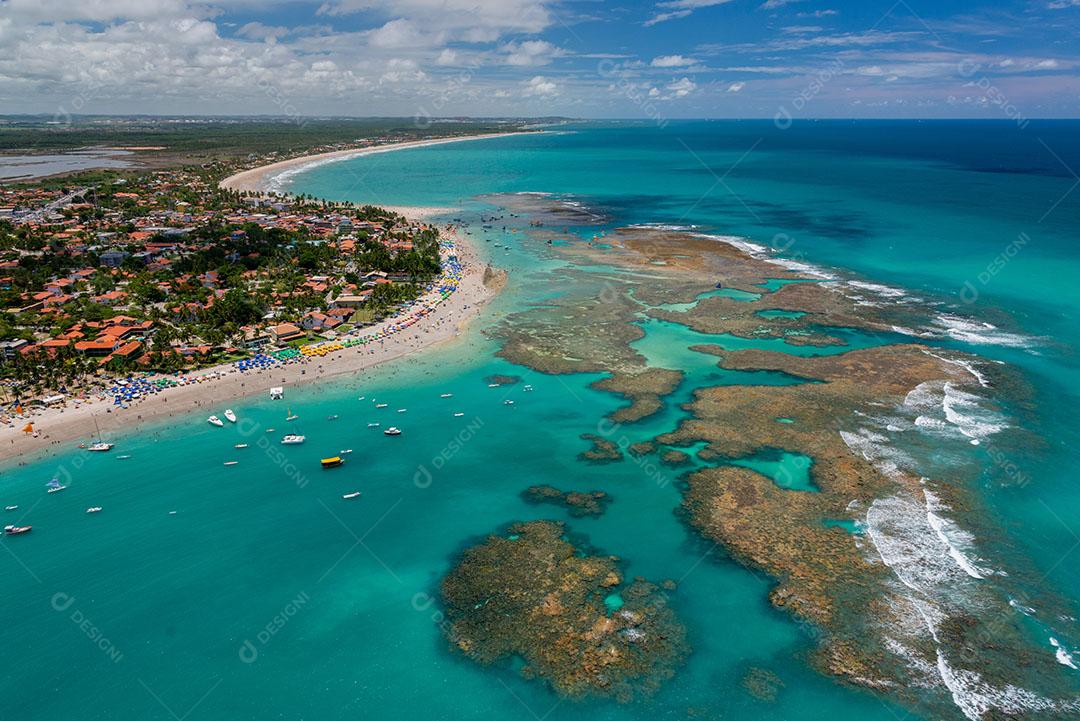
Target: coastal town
pixel 122 285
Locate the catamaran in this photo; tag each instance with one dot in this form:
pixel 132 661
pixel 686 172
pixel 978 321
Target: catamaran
pixel 100 447
pixel 292 439
pixel 215 421
pixel 392 431
pixel 54 486
pixel 230 415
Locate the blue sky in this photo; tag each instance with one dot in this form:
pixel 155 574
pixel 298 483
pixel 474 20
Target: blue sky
pixel 583 58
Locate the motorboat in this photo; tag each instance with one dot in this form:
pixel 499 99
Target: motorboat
pixel 528 388
pixel 508 402
pixel 392 431
pixel 292 439
pixel 230 416
pixel 402 410
pixel 231 463
pixel 447 395
pixel 94 509
pixel 54 486
pixel 123 458
pixel 16 530
pixel 100 447
pixel 241 445
pixel 373 425
pixel 350 496
pixel 333 417
pixel 458 415
pixel 332 462
pixel 11 508
pixel 215 421
pixel 345 451
pixel 381 405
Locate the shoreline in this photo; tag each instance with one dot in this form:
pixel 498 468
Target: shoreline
pixel 55 427
pixel 257 179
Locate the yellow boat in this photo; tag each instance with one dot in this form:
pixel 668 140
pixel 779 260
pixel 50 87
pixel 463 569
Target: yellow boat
pixel 332 462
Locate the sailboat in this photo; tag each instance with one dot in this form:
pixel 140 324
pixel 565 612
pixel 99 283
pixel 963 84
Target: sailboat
pixel 54 486
pixel 99 446
pixel 292 416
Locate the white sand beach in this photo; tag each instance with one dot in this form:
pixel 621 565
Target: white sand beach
pixel 58 427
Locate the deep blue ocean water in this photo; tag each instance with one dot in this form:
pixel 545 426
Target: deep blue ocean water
pixel 268 596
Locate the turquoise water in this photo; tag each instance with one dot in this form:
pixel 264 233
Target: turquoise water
pixel 266 595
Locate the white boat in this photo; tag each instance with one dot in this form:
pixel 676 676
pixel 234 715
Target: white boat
pixel 11 508
pixel 94 509
pixel 241 445
pixel 269 430
pixel 54 486
pixel 361 398
pixel 292 440
pixel 508 402
pixel 402 410
pixel 381 405
pixel 277 393
pixel 345 452
pixel 230 415
pixel 333 417
pixel 392 431
pixel 231 463
pixel 215 421
pixel 458 415
pixel 100 447
pixel 354 494
pixel 292 416
pixel 373 425
pixel 493 385
pixel 447 395
pixel 528 388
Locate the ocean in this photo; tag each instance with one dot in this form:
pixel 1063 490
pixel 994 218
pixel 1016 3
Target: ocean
pixel 255 591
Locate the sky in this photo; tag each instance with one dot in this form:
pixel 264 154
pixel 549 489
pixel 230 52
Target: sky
pixel 655 59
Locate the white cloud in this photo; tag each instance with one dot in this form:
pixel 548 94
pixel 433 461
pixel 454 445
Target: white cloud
pixel 530 53
pixel 774 4
pixel 447 57
pixel 682 87
pixel 258 31
pixel 672 61
pixel 675 9
pixel 736 87
pixel 402 33
pixel 540 86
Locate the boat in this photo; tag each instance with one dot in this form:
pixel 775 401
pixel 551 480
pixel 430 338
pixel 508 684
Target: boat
pixel 11 508
pixel 215 421
pixel 528 388
pixel 345 452
pixel 361 398
pixel 508 402
pixel 54 486
pixel 373 425
pixel 292 416
pixel 230 415
pixel 493 385
pixel 392 431
pixel 458 415
pixel 241 445
pixel 402 410
pixel 332 462
pixel 349 496
pixel 231 463
pixel 292 439
pixel 270 430
pixel 277 393
pixel 123 457
pixel 447 395
pixel 381 405
pixel 333 417
pixel 16 530
pixel 94 509
pixel 100 447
